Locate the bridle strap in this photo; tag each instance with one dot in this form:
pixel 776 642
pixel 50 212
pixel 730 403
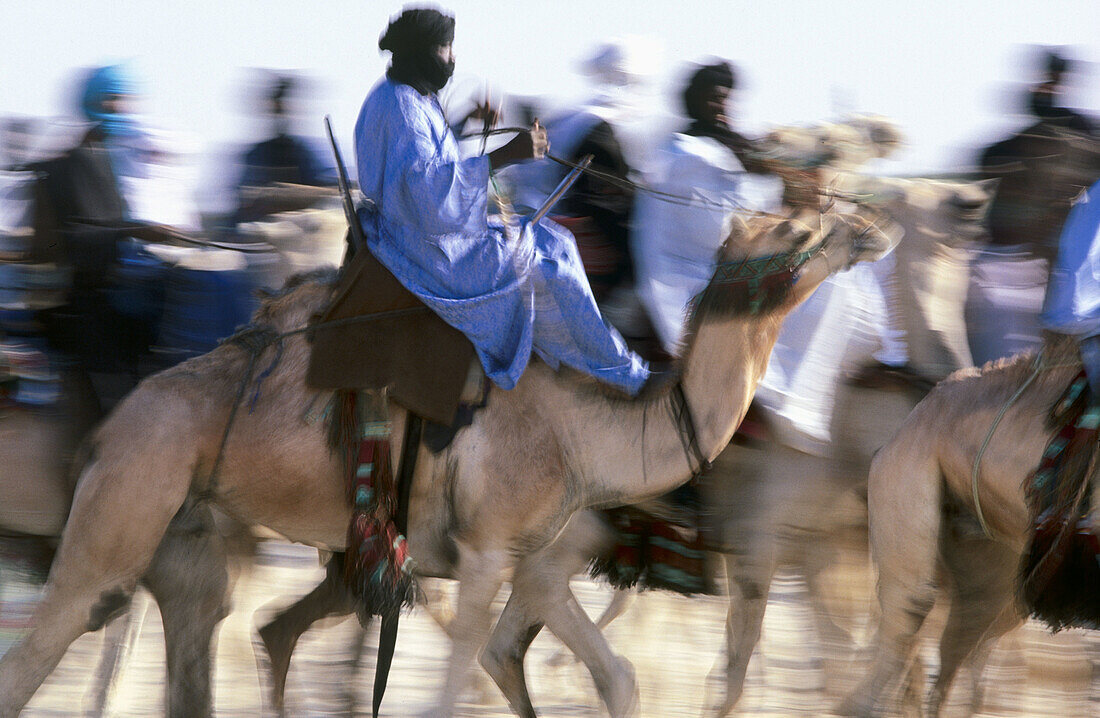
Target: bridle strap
pixel 698 463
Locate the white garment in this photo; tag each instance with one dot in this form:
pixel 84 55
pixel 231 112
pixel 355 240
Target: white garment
pixel 829 332
pixel 674 244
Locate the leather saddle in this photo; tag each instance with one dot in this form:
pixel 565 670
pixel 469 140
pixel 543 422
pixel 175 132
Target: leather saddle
pixel 376 334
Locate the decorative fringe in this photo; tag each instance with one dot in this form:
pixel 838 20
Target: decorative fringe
pixel 1062 585
pixel 653 554
pixel 377 566
pixel 1060 570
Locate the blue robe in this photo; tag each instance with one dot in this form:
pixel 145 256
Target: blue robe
pixel 510 289
pixel 1072 303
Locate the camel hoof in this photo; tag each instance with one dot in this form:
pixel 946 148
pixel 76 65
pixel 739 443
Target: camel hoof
pixel 855 706
pixel 623 703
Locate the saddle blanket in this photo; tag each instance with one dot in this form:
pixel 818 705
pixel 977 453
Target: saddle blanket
pixel 1060 571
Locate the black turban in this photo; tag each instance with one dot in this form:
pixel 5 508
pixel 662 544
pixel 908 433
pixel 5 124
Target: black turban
pixel 720 74
pixel 417 31
pixel 412 38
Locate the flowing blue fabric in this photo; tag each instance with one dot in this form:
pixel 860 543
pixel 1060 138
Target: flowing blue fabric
pixel 510 289
pixel 1072 303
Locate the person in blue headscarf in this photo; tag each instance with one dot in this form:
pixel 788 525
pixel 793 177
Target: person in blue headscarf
pixel 512 290
pixel 95 196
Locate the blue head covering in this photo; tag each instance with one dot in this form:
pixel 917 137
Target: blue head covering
pixel 100 84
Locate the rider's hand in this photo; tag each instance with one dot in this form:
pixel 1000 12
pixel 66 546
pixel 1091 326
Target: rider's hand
pixel 487 113
pixel 529 145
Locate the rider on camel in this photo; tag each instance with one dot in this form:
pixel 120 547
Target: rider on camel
pixel 511 290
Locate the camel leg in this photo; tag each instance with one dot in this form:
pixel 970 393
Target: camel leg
pixel 546 594
pixel 904 504
pixel 585 537
pixel 818 556
pixel 102 553
pixel 119 639
pixel 621 599
pixel 480 575
pixel 330 598
pixel 749 577
pixel 983 582
pixel 503 657
pixel 189 580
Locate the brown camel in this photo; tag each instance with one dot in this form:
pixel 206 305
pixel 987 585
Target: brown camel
pixel 923 515
pixel 555 444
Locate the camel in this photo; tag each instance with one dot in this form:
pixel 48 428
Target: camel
pixel 186 575
pixel 531 447
pixel 925 525
pixel 768 506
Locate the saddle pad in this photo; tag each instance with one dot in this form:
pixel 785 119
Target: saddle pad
pixel 400 343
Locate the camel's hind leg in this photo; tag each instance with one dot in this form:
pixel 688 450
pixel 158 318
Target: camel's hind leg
pixel 983 575
pixel 120 512
pixel 904 505
pixel 480 575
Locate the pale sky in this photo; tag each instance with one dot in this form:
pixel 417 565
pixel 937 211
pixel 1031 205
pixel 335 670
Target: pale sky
pixel 942 69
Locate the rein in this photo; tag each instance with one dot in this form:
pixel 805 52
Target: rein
pixel 1037 368
pixel 679 199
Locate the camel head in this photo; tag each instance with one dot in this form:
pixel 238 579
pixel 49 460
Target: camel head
pixel 764 257
pixel 846 145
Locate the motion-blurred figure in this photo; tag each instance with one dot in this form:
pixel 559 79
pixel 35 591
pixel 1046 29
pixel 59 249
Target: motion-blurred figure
pixel 596 210
pixel 1041 169
pixel 285 158
pixel 674 242
pixel 117 184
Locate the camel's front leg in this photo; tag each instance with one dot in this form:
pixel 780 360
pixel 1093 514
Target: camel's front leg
pixel 502 659
pixel 103 553
pixel 189 580
pixel 480 574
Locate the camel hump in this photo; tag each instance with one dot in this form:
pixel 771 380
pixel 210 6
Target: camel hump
pixel 398 343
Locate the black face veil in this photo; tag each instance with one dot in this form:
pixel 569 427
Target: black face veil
pixel 413 37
